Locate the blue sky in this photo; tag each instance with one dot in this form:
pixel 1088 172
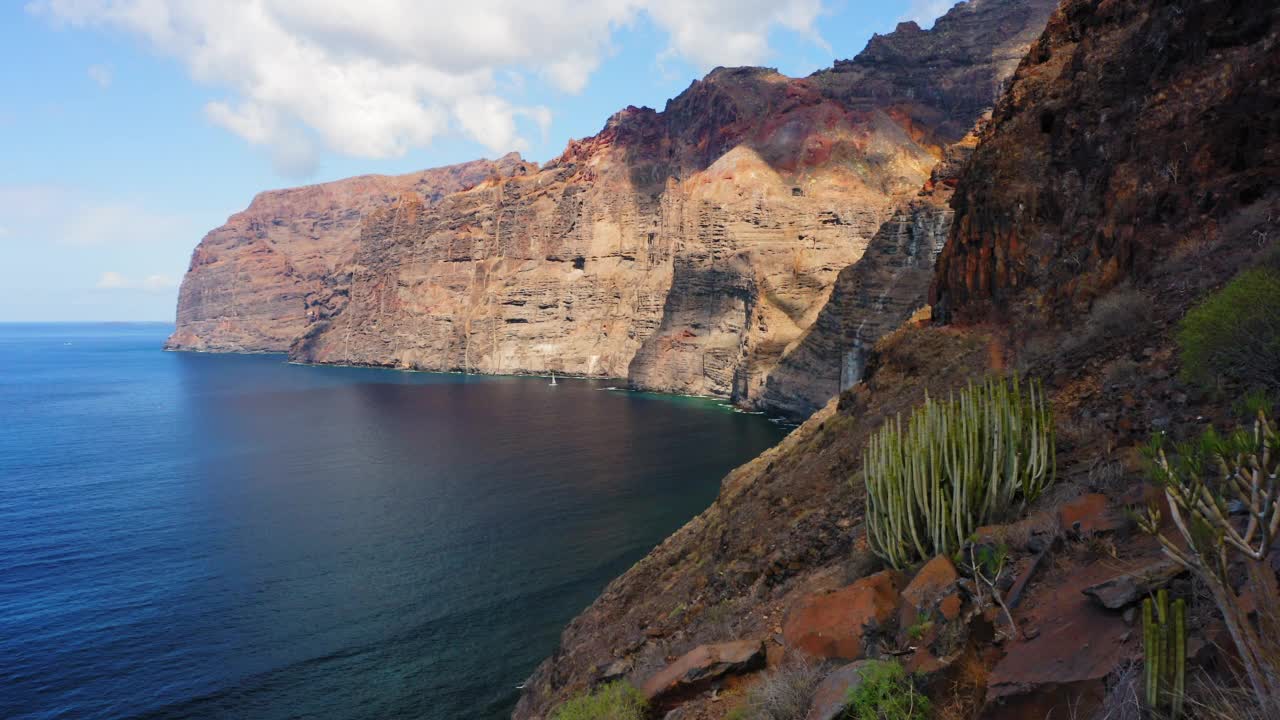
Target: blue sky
pixel 128 129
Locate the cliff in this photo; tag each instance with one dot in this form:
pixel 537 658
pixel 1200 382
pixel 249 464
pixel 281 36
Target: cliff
pixel 686 250
pixel 1128 170
pixel 246 286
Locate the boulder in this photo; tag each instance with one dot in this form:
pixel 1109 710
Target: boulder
pixel 703 665
pixel 1119 592
pixel 835 624
pixel 927 591
pixel 829 697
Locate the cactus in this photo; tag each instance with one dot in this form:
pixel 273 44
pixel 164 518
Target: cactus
pixel 957 465
pixel 1164 634
pixel 1247 463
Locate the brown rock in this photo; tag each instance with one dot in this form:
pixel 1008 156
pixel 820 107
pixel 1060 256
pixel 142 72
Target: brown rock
pixel 835 624
pixel 829 697
pixel 1118 592
pixel 702 665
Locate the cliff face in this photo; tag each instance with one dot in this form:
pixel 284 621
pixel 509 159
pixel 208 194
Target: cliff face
pixel 1128 132
pixel 1138 143
pixel 686 250
pixel 246 286
pixel 869 298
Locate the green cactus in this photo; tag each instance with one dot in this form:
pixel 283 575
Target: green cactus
pixel 1246 463
pixel 1164 634
pixel 957 465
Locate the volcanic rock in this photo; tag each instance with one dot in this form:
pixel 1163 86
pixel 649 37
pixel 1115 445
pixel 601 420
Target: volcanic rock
pixel 703 665
pixel 836 625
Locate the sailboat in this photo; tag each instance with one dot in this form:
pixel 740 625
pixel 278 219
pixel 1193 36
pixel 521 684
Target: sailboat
pixel 553 378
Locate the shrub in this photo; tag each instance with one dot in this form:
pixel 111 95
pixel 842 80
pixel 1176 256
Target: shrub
pixel 886 693
pixel 1213 543
pixel 1235 333
pixel 958 465
pixel 783 694
pixel 615 701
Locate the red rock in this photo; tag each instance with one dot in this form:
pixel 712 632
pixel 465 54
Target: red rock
pixel 703 665
pixel 835 624
pixel 1091 514
pixel 935 582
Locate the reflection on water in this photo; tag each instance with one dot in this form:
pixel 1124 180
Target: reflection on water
pixel 205 536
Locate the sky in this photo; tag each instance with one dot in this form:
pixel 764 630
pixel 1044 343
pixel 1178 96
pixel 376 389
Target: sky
pixel 130 128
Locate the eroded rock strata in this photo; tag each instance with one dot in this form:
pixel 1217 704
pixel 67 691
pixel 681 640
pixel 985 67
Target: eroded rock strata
pixel 686 250
pixel 1104 200
pixel 246 287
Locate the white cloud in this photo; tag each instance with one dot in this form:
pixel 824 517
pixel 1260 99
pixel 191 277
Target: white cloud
pixel 102 75
pixel 925 12
pixel 380 77
pixel 112 280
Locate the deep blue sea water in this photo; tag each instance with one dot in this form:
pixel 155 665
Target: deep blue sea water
pixel 216 536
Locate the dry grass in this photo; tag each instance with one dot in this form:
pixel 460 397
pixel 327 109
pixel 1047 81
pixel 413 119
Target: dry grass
pixel 1211 698
pixel 783 694
pixel 967 689
pixel 1124 690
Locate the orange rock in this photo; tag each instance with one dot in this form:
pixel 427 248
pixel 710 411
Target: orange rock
pixel 835 624
pixel 935 581
pixel 1090 514
pixel 950 607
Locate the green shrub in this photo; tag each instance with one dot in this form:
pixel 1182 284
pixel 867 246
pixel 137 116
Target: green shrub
pixel 886 693
pixel 1235 333
pixel 615 701
pixel 958 464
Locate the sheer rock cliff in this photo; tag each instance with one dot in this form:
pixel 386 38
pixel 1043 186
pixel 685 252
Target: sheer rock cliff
pixel 687 250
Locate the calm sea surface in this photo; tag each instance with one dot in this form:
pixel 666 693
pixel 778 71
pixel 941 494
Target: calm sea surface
pixel 204 536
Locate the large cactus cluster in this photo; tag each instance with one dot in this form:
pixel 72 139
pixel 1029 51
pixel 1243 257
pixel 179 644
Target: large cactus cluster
pixel 1164 643
pixel 957 465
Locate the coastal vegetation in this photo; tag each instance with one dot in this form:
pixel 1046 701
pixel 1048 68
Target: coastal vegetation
pixel 1234 334
pixel 957 465
pixel 886 693
pixel 615 701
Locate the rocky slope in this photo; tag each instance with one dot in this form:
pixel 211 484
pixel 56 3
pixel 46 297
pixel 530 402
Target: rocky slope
pixel 246 285
pixel 687 250
pixel 1073 253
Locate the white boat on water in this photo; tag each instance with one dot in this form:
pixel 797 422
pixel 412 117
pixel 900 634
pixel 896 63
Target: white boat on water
pixel 553 378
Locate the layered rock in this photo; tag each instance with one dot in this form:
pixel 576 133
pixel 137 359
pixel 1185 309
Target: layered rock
pixel 245 288
pixel 869 298
pixel 687 250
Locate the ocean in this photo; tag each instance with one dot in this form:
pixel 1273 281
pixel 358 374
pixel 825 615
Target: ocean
pixel 233 536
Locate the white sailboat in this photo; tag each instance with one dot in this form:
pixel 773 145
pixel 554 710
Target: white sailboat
pixel 553 378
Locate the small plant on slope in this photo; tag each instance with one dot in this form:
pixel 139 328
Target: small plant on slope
pixel 958 464
pixel 1235 333
pixel 783 694
pixel 886 693
pixel 1164 649
pixel 615 701
pixel 1246 463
